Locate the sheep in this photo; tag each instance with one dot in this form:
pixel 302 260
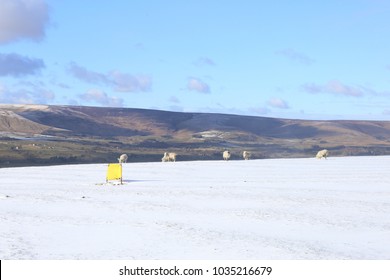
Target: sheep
pixel 226 155
pixel 165 158
pixel 322 154
pixel 169 157
pixel 246 155
pixel 123 158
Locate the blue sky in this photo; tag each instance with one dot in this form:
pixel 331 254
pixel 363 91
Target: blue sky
pixel 290 59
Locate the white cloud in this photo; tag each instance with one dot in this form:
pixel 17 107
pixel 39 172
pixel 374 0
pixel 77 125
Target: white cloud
pixel 196 84
pixel 259 110
pixel 337 88
pixel 17 65
pixel 117 80
pixel 30 94
pixel 88 76
pixel 278 103
pixel 204 61
pixel 100 97
pixel 21 19
pixel 130 83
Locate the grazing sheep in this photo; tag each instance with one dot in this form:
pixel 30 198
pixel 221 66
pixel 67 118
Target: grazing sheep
pixel 123 158
pixel 322 154
pixel 226 155
pixel 246 155
pixel 165 158
pixel 169 157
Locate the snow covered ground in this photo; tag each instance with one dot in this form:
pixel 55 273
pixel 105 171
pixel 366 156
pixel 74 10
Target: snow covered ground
pixel 259 209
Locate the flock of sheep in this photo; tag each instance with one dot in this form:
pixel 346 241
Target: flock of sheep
pixel 225 155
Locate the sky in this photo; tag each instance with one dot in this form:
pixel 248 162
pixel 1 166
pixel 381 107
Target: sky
pixel 298 59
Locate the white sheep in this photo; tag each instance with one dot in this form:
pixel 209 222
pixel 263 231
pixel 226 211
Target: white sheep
pixel 123 158
pixel 246 155
pixel 165 158
pixel 169 157
pixel 322 154
pixel 226 155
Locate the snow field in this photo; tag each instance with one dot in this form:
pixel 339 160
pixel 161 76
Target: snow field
pixel 258 209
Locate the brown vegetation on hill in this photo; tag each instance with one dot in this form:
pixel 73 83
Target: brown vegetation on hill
pixel 38 134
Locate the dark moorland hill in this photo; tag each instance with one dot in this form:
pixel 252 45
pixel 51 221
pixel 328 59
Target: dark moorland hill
pixel 40 134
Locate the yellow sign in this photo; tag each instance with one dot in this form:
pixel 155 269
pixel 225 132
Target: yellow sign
pixel 114 172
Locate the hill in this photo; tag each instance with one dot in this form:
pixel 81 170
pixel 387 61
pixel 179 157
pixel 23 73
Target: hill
pixel 42 134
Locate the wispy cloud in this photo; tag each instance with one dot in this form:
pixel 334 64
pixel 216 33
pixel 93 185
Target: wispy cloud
pixel 278 103
pixel 196 84
pixel 337 88
pixel 296 56
pixel 20 19
pixel 204 61
pixel 261 111
pixel 29 94
pixel 17 65
pixel 117 80
pixel 130 83
pixel 100 97
pixel 88 76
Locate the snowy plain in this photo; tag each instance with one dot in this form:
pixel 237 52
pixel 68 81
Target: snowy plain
pixel 275 209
